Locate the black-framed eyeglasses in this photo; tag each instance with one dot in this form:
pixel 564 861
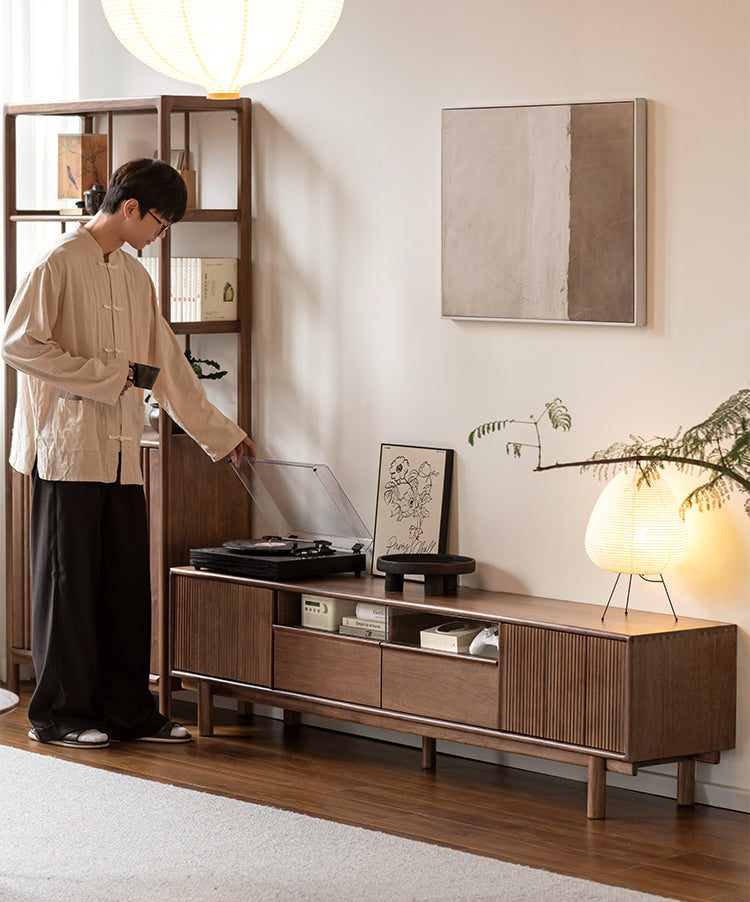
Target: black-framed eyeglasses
pixel 164 225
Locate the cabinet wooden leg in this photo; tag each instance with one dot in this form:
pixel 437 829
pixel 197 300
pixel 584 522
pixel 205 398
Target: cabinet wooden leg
pixel 165 696
pixel 14 678
pixel 686 782
pixel 244 711
pixel 597 790
pixel 205 709
pixel 429 756
pixel 291 718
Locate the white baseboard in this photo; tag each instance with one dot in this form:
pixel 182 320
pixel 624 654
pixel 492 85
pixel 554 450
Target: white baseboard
pixel 658 781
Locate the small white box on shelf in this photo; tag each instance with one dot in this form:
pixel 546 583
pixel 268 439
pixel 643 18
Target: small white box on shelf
pixel 454 636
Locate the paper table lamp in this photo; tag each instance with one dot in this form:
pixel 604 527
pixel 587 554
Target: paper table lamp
pixel 636 528
pixel 222 44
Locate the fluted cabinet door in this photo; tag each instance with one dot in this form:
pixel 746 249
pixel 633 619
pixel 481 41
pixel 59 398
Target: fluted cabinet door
pixel 562 686
pixel 222 629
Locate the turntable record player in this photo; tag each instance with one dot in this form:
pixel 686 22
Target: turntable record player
pixel 309 526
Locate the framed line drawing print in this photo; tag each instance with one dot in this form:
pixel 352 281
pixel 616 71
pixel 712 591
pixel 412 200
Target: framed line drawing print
pixel 544 213
pixel 411 515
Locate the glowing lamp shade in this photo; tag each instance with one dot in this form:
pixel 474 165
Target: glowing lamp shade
pixel 636 527
pixel 222 44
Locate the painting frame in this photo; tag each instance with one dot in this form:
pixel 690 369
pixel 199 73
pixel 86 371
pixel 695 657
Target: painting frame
pixel 82 161
pixel 544 213
pixel 413 501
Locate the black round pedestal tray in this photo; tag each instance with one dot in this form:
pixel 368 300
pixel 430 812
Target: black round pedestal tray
pixel 439 570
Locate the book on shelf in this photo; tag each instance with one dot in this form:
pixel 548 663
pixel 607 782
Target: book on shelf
pixel 218 288
pixel 378 625
pixel 203 289
pixel 362 633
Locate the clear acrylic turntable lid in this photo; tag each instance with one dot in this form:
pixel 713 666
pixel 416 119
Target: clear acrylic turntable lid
pixel 303 500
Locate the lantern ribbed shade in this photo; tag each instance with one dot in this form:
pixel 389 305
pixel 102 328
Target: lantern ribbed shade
pixel 636 528
pixel 222 44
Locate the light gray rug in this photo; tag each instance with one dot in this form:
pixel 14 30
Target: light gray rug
pixel 68 831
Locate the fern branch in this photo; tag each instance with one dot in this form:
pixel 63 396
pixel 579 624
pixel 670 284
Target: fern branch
pixel 555 411
pixel 719 444
pixel 654 458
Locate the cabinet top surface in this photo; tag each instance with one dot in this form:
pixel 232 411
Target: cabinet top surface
pixel 482 604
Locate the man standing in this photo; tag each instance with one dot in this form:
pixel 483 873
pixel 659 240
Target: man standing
pixel 82 319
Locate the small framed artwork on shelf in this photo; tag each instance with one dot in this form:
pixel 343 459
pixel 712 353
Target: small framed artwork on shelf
pixel 414 487
pixel 81 163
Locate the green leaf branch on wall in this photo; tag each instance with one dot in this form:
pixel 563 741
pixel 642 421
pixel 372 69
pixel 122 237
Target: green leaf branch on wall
pixel 720 444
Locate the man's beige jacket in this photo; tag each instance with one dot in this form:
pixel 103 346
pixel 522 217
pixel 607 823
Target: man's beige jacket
pixel 74 324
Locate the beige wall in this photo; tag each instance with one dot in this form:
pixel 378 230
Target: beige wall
pixel 350 347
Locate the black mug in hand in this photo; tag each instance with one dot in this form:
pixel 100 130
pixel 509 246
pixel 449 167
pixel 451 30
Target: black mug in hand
pixel 144 376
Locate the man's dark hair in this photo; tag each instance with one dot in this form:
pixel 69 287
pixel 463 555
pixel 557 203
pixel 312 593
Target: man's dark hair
pixel 153 183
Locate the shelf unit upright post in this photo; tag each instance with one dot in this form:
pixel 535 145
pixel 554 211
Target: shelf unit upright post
pixel 172 515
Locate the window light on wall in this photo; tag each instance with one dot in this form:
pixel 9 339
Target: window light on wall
pixel 222 44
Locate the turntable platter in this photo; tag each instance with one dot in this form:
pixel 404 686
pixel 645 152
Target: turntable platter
pixel 266 546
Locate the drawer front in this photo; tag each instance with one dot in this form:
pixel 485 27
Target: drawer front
pixel 564 687
pixel 446 687
pixel 330 666
pixel 222 629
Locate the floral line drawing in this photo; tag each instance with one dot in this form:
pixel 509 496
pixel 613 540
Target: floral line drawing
pixel 408 493
pixel 414 484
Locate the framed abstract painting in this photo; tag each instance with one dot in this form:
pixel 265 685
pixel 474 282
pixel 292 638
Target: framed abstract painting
pixel 544 213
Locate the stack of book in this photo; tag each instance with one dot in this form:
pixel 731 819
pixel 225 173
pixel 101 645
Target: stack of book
pixel 369 622
pixel 365 629
pixel 202 289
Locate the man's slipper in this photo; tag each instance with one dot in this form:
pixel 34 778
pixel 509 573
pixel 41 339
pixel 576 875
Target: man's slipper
pixel 170 732
pixel 77 739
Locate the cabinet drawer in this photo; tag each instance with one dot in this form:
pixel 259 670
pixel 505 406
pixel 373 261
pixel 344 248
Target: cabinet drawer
pixel 329 666
pixel 222 629
pixel 447 687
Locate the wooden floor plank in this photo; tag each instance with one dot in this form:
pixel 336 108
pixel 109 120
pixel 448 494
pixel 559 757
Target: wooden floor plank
pixel 647 843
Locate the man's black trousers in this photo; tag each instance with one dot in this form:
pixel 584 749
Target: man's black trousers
pixel 91 610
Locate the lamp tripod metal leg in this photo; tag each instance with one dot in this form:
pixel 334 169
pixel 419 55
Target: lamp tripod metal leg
pixel 661 580
pixel 627 598
pixel 609 600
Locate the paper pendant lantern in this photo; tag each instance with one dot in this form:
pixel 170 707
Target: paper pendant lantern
pixel 636 527
pixel 222 44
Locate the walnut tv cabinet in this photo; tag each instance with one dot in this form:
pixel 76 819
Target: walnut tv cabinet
pixel 612 696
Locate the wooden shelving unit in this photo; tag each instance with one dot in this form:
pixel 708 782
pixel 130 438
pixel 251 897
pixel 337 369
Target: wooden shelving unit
pixel 192 502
